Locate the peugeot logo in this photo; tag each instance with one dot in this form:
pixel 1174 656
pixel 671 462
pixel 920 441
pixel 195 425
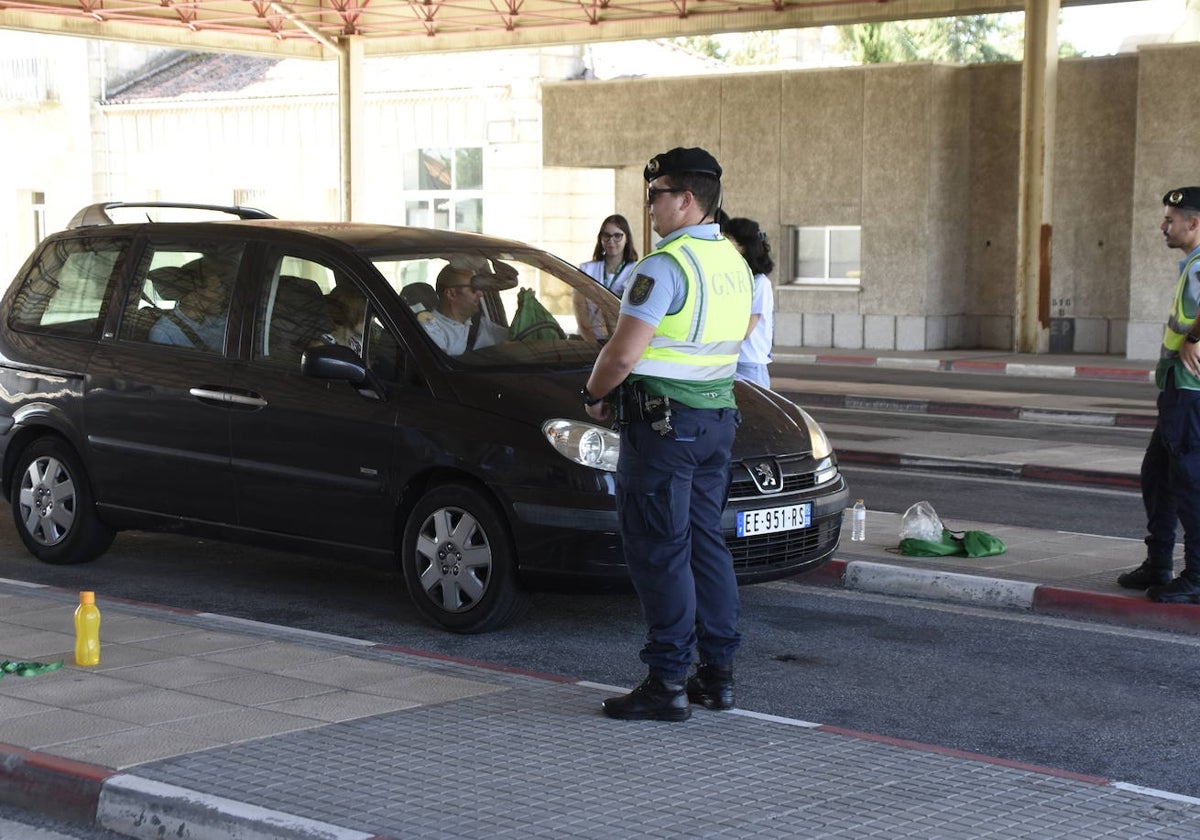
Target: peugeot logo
pixel 766 476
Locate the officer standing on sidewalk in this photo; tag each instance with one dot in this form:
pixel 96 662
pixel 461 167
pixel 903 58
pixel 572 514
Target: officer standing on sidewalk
pixel 668 371
pixel 1171 466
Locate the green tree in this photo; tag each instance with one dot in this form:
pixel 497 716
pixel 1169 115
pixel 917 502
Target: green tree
pixel 747 48
pixel 754 48
pixel 967 40
pixel 705 45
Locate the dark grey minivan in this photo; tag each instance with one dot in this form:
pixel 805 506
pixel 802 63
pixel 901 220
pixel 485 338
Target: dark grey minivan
pixel 278 383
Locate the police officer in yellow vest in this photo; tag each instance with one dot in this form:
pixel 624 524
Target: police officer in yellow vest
pixel 1171 466
pixel 668 370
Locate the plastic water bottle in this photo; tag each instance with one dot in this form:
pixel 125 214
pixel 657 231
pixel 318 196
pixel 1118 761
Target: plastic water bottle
pixel 858 526
pixel 87 630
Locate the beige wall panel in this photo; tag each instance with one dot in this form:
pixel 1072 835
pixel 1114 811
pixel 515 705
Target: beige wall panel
pixel 631 203
pixel 1167 131
pixel 821 127
pixel 895 198
pixel 995 119
pixel 1093 179
pixel 621 122
pixel 750 118
pixel 948 241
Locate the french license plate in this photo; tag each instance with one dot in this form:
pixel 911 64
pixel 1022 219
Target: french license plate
pixel 771 520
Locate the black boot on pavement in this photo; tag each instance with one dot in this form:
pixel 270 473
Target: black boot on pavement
pixel 1145 576
pixel 711 687
pixel 654 699
pixel 1185 589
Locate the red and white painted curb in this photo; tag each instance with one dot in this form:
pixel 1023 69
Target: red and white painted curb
pixel 976 590
pixel 1033 369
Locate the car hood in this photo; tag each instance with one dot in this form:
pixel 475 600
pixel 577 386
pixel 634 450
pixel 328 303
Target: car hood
pixel 771 424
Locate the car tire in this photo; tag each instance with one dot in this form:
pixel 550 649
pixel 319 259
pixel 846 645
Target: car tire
pixel 459 563
pixel 53 507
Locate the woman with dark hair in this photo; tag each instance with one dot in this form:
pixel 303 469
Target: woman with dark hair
pixel 614 255
pixel 611 265
pixel 751 240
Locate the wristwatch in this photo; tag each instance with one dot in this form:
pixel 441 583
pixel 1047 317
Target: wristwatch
pixel 1192 339
pixel 588 399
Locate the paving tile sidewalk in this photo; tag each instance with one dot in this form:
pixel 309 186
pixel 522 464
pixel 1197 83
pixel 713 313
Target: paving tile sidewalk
pixel 204 727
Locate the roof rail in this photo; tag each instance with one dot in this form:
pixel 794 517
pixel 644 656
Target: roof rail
pixel 97 214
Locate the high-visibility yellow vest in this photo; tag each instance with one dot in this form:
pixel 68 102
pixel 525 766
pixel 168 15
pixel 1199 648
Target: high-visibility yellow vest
pixel 1179 323
pixel 700 343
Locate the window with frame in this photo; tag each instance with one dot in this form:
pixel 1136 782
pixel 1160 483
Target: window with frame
pixel 67 288
pixel 181 295
pixel 309 304
pixel 828 256
pixel 295 311
pixel 444 188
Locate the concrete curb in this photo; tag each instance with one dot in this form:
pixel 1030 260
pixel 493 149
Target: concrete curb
pixel 975 590
pixel 941 408
pixel 87 794
pixel 1055 371
pixel 988 469
pixel 138 807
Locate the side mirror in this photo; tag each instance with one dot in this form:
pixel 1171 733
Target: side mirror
pixel 332 361
pixel 341 364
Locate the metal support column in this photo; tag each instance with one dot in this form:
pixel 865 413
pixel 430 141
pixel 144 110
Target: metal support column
pixel 350 124
pixel 1039 81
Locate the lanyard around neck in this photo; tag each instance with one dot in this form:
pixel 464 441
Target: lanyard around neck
pixel 608 284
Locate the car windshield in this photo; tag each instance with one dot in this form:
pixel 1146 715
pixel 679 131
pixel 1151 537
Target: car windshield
pixel 511 309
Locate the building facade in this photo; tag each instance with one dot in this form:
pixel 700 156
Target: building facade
pixel 889 192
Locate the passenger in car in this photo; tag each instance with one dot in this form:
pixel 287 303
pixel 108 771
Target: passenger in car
pixel 347 308
pixel 459 324
pixel 198 319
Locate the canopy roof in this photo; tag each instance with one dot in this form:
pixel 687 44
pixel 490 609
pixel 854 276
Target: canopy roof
pixel 317 28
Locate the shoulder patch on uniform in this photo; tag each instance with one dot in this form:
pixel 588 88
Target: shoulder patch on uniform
pixel 640 290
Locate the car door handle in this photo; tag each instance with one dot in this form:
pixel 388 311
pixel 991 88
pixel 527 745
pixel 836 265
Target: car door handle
pixel 247 400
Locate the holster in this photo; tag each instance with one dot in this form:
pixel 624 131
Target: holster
pixel 634 405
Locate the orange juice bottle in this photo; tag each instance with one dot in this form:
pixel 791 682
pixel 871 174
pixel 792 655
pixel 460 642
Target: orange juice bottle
pixel 87 630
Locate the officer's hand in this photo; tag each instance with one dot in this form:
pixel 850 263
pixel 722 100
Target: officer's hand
pixel 600 411
pixel 1189 354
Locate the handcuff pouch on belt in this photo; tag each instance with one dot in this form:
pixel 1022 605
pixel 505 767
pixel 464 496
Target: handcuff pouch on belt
pixel 634 405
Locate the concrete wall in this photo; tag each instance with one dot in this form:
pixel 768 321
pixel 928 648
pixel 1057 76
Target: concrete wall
pixel 925 158
pixel 1165 157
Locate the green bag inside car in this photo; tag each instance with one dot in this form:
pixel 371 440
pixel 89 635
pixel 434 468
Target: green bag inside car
pixel 532 320
pixel 970 544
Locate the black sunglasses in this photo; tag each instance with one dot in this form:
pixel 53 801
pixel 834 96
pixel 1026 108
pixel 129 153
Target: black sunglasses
pixel 654 192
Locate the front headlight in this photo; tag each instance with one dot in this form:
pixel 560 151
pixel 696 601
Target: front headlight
pixel 584 443
pixel 821 447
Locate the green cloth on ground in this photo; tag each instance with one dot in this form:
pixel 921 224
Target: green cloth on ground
pixel 27 669
pixel 971 544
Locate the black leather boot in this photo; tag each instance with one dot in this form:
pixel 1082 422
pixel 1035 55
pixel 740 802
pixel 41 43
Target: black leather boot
pixel 1145 576
pixel 1185 589
pixel 711 687
pixel 654 699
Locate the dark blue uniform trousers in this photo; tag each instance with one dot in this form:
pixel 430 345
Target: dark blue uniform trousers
pixel 1171 479
pixel 671 490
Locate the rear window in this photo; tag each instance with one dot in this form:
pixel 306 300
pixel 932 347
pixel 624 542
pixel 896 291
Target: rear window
pixel 67 288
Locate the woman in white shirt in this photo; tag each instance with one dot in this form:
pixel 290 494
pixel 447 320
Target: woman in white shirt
pixel 611 266
pixel 751 240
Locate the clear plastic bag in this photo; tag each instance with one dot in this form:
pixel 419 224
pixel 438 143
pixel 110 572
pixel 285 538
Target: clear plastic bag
pixel 921 522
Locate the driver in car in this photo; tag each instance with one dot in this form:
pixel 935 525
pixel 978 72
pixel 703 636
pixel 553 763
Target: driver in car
pixel 459 323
